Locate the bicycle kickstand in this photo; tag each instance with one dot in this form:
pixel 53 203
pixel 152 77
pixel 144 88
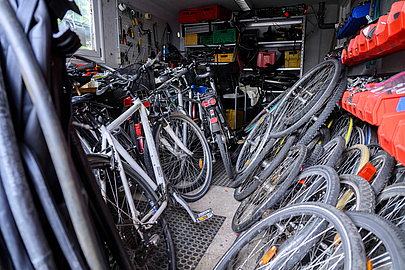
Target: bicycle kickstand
pixel 197 218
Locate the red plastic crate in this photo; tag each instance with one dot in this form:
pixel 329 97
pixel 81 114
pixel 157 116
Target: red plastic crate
pixel 265 58
pixel 389 129
pixel 356 52
pixel 360 105
pixel 396 24
pixel 372 43
pixel 213 13
pixel 188 16
pixel 381 35
pixel 355 101
pixel 399 142
pixel 377 105
pixel 345 100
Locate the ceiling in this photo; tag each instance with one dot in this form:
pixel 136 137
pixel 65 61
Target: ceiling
pixel 178 5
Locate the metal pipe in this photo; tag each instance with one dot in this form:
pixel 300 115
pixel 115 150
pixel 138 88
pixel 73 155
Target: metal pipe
pixel 321 13
pixel 18 193
pixel 54 136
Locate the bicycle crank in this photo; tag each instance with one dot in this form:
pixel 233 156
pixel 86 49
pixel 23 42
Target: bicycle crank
pixel 197 218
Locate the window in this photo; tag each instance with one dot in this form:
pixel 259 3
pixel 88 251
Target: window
pixel 87 27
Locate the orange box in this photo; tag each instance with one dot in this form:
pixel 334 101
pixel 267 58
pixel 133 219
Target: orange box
pixel 396 24
pixel 360 105
pixel 388 131
pixel 381 35
pixel 379 104
pixel 399 142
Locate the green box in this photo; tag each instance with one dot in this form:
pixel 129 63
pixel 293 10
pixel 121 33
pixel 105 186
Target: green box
pixel 224 36
pixel 206 40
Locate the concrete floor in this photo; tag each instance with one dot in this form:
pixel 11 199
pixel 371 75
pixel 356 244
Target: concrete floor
pixel 221 200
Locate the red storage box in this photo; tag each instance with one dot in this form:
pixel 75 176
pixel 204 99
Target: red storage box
pixel 399 142
pixel 381 35
pixel 265 58
pixel 359 110
pixel 388 130
pixel 345 100
pixel 355 49
pixel 396 24
pixel 371 42
pixel 378 105
pixel 188 16
pixel 362 42
pixel 355 101
pixel 213 13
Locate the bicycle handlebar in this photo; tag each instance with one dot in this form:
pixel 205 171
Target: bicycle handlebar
pixel 86 66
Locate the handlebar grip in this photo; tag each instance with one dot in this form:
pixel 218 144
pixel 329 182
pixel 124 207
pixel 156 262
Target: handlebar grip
pixel 102 90
pixel 86 66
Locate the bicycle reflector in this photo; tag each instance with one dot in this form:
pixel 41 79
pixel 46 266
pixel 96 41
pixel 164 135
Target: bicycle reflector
pixel 212 101
pixel 205 103
pixel 128 102
pixel 213 120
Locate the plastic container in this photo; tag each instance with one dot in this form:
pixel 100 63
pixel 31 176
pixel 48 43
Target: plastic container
pixel 355 21
pixel 188 16
pixel 345 100
pixel 371 41
pixel 230 117
pixel 199 89
pixel 292 59
pixel 224 36
pixel 399 142
pixel 359 110
pixel 191 39
pixel 396 24
pixel 206 40
pixel 264 58
pixel 213 13
pixel 388 131
pixel 224 57
pixel 381 35
pixel 355 49
pixel 377 105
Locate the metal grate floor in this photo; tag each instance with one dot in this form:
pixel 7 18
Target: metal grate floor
pixel 191 240
pixel 219 177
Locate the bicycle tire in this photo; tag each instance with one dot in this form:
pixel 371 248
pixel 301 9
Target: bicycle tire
pixel 352 244
pixel 190 175
pixel 254 142
pixel 391 236
pixel 390 204
pixel 384 163
pixel 356 137
pixel 358 155
pixel 264 197
pixel 337 95
pixel 331 152
pixel 360 189
pixel 130 238
pixel 226 158
pixel 343 126
pixel 304 114
pixel 275 157
pixel 315 184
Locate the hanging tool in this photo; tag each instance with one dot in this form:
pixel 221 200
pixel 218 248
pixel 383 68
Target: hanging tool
pixel 124 37
pixel 155 37
pixel 149 43
pixel 131 16
pixel 130 33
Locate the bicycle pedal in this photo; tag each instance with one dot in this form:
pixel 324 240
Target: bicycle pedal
pixel 240 142
pixel 204 215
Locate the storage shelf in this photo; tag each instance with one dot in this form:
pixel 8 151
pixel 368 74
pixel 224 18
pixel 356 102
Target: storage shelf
pixel 212 45
pixel 272 21
pixel 280 43
pixel 202 23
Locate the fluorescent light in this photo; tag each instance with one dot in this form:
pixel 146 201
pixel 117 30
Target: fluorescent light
pixel 243 5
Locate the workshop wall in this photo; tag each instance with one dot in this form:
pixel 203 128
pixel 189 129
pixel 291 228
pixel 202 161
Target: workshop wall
pixel 112 43
pixel 318 41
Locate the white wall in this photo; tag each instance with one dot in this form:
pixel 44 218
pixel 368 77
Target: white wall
pixel 318 41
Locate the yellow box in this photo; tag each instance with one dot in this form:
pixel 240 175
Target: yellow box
pixel 230 116
pixel 224 57
pixel 191 39
pixel 292 59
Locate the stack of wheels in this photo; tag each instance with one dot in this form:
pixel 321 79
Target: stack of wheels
pixel 319 193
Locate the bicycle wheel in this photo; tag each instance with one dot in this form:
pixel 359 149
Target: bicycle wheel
pixel 352 160
pixel 226 158
pixel 189 174
pixel 355 194
pixel 264 196
pixel 149 247
pixel 305 98
pixel 289 237
pixel 315 184
pixel 343 126
pixel 384 164
pixel 356 137
pixel 398 174
pixel 384 243
pixel 254 143
pixel 318 119
pixel 274 157
pixel 390 204
pixel 332 152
